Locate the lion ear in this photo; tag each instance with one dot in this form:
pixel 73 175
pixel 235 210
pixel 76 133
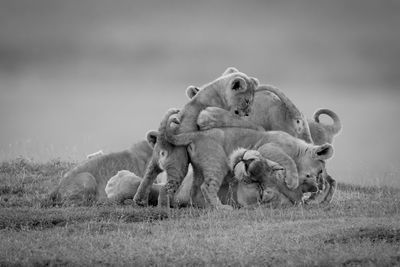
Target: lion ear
pixel 229 71
pixel 279 170
pixel 152 138
pixel 191 91
pixel 238 84
pixel 322 152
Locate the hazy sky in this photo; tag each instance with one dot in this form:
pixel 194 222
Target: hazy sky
pixel 79 76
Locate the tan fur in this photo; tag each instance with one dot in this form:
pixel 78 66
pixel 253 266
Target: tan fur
pixel 99 170
pixel 208 150
pixel 233 91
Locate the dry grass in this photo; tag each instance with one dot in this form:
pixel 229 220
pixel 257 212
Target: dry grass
pixel 361 227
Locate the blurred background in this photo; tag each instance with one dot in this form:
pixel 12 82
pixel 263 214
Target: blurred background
pixel 82 75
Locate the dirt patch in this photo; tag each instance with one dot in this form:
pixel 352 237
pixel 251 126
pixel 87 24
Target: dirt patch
pixel 373 234
pixel 20 220
pixel 40 219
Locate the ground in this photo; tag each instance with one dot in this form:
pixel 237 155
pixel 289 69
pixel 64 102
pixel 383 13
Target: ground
pixel 360 227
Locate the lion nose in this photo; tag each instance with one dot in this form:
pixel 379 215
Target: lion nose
pixel 314 189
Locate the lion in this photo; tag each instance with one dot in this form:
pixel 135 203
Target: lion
pixel 233 91
pixel 123 186
pixel 257 181
pixel 88 180
pixel 208 152
pixel 272 110
pixel 256 185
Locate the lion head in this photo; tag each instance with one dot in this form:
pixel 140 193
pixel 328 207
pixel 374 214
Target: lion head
pixel 312 164
pixel 234 88
pixel 249 166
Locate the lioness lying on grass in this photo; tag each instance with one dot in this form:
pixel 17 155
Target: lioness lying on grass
pixel 208 152
pixel 86 182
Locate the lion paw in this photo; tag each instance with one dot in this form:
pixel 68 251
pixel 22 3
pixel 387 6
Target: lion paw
pixel 207 122
pixel 139 203
pixel 292 183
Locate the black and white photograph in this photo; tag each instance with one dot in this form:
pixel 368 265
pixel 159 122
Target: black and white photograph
pixel 199 133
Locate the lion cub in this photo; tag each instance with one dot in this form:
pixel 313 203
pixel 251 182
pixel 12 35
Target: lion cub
pixel 233 91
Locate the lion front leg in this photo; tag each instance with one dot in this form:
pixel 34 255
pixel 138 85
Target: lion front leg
pixel 214 117
pixel 176 167
pixel 142 193
pixel 274 153
pixel 167 195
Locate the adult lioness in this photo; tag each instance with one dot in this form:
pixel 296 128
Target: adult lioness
pixel 233 91
pixel 88 180
pixel 208 152
pixel 272 110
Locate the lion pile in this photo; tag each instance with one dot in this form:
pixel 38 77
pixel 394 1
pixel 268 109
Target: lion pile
pixel 235 144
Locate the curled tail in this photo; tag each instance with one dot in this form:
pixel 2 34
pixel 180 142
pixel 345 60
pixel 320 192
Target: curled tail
pixel 336 127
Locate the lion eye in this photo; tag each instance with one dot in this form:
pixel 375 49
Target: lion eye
pixel 162 153
pixel 308 176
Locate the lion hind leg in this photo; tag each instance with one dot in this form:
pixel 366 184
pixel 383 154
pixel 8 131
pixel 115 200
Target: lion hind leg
pixel 210 191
